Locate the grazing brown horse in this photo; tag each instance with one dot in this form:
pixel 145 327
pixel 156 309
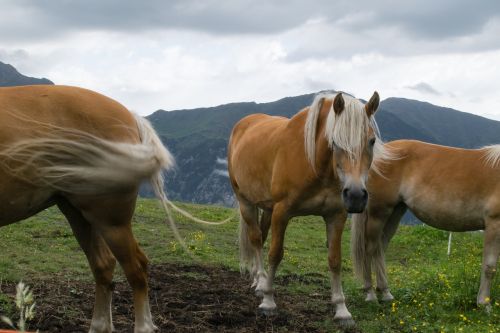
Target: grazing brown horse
pixel 315 163
pixel 447 188
pixel 87 154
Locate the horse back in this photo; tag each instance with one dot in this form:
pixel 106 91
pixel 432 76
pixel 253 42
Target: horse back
pixel 24 111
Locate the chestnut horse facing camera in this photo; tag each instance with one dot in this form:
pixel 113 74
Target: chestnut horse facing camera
pixel 315 163
pixel 87 154
pixel 447 188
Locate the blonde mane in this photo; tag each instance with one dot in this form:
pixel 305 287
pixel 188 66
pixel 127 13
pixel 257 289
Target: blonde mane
pixel 492 155
pixel 348 131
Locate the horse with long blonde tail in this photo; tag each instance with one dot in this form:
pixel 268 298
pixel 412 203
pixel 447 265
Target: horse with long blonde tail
pixel 447 188
pixel 88 155
pixel 315 163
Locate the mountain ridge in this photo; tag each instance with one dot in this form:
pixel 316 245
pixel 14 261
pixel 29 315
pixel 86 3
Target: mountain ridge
pixel 9 76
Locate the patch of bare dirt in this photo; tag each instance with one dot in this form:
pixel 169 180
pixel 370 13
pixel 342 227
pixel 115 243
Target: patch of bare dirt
pixel 184 298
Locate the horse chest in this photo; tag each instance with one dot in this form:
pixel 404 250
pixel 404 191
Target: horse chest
pixel 322 202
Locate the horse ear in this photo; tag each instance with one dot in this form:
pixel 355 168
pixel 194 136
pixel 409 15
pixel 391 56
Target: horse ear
pixel 338 104
pixel 372 105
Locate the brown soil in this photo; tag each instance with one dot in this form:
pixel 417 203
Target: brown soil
pixel 184 298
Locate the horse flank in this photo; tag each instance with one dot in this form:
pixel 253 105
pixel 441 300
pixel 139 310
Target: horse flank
pixel 347 131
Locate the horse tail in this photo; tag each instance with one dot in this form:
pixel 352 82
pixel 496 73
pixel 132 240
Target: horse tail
pixel 358 242
pixel 149 138
pixel 74 161
pixel 247 250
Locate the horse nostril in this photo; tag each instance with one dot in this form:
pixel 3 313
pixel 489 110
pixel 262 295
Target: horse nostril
pixel 345 192
pixel 364 193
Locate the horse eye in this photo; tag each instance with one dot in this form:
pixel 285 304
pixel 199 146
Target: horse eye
pixel 372 142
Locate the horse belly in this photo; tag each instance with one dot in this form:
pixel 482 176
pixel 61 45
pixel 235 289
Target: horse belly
pixel 20 201
pixel 453 214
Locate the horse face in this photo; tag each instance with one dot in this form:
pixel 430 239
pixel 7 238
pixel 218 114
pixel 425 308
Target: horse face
pixel 352 170
pixel 353 174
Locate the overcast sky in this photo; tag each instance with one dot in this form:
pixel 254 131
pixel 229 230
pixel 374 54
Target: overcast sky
pixel 187 53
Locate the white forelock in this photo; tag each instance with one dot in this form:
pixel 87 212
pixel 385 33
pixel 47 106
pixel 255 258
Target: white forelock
pixel 347 131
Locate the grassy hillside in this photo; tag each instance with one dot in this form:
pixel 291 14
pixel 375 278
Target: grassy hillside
pixel 433 293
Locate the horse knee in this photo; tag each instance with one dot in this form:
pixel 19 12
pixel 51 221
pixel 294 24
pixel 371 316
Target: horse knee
pixel 136 276
pixel 255 236
pixel 136 270
pixel 372 246
pixel 143 259
pixel 275 255
pixel 334 263
pixel 103 270
pixel 489 271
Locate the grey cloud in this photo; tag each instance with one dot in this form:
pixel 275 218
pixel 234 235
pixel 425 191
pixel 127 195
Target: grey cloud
pixel 46 18
pixel 424 88
pixel 432 20
pixel 423 19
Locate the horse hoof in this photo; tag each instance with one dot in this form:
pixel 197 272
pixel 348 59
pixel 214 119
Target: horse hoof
pixel 487 307
pixel 371 297
pixel 387 298
pixel 345 323
pixel 268 312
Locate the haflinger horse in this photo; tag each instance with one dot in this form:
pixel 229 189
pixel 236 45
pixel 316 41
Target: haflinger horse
pixel 87 154
pixel 315 163
pixel 447 188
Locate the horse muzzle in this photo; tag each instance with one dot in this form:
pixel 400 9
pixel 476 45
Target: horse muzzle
pixel 355 199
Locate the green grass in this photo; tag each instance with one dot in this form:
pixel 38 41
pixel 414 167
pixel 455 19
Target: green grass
pixel 433 293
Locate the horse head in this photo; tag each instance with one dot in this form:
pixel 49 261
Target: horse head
pixel 353 133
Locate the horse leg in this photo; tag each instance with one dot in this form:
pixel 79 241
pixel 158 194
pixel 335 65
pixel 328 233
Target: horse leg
pixel 111 217
pixel 374 253
pixel 389 230
pixel 371 296
pixel 490 258
pixel 134 263
pixel 265 223
pixel 279 222
pixel 102 264
pixel 335 227
pixel 251 244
